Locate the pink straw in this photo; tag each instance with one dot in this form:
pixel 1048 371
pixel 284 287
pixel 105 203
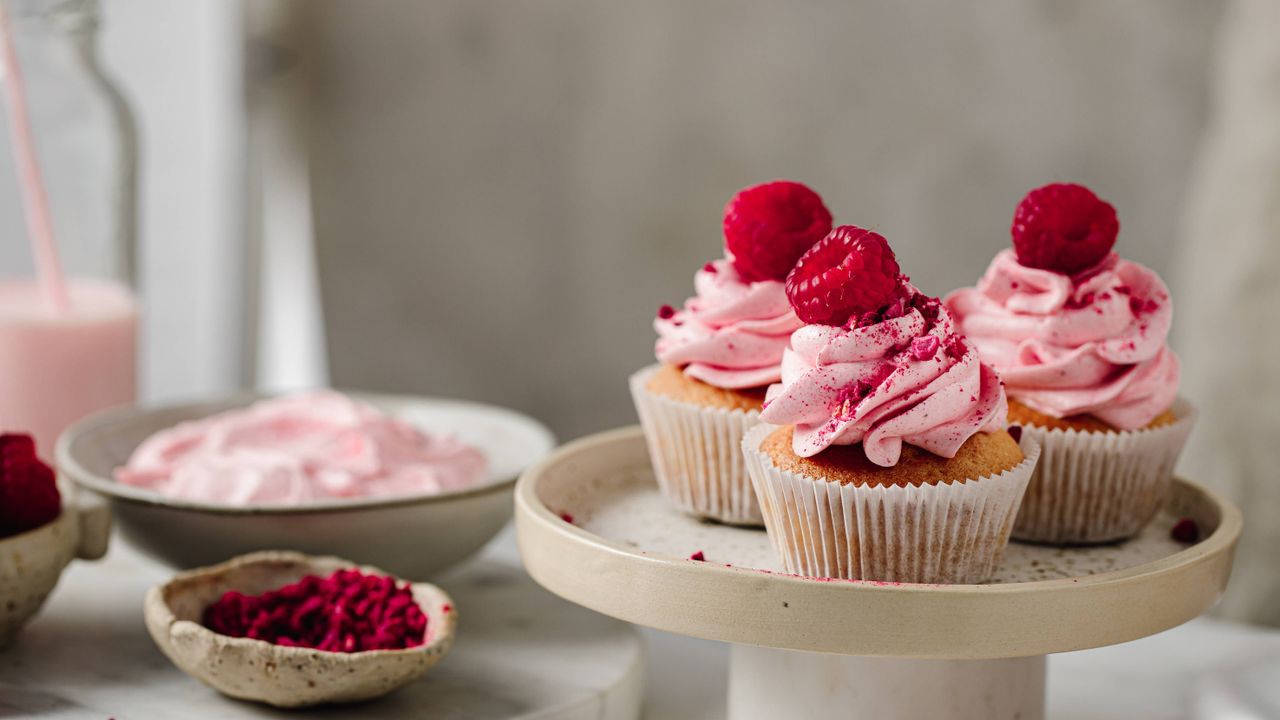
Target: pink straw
pixel 35 201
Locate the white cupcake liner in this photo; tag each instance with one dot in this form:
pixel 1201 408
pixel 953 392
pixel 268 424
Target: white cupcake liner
pixel 1096 487
pixel 697 454
pixel 945 533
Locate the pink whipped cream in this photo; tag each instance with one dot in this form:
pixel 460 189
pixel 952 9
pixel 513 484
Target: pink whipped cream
pixel 300 448
pixel 1093 343
pixel 901 376
pixel 732 333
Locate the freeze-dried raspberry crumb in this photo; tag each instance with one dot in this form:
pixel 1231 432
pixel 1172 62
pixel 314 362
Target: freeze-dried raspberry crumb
pixel 925 347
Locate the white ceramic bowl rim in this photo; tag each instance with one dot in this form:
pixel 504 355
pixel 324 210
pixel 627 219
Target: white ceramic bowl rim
pixel 73 469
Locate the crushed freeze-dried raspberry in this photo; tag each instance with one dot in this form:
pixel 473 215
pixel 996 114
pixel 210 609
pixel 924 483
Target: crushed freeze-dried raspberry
pixel 348 611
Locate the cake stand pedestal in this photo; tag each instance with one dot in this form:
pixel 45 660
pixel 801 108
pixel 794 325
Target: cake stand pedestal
pixel 593 529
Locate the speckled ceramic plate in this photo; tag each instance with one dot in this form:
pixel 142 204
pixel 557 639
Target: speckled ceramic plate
pixel 274 674
pixel 626 553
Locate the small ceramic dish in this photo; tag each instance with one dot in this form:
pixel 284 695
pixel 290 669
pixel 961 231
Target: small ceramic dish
pixel 275 674
pixel 31 562
pixel 412 536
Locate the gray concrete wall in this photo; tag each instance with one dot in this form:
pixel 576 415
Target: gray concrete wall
pixel 505 191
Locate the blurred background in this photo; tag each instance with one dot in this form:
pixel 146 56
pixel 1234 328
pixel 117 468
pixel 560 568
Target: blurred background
pixel 489 200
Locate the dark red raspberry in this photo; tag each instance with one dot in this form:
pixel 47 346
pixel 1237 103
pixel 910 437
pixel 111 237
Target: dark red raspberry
pixel 1063 227
pixel 769 226
pixel 28 492
pixel 849 272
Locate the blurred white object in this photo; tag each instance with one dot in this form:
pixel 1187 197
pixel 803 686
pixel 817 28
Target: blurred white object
pixel 1228 281
pixel 1246 692
pixel 289 340
pixel 179 64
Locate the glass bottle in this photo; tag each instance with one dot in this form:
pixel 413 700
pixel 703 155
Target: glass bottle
pixel 58 365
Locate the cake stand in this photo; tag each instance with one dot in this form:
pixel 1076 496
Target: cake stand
pixel 593 529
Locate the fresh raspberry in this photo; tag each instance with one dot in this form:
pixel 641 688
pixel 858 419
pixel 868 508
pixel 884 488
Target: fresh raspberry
pixel 769 226
pixel 849 272
pixel 28 493
pixel 1063 227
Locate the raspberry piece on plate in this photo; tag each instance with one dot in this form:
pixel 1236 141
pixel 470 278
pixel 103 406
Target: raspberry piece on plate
pixel 849 272
pixel 1063 227
pixel 1185 531
pixel 767 227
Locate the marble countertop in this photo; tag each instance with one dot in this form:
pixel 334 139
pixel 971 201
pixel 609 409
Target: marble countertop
pixel 1157 678
pixel 521 652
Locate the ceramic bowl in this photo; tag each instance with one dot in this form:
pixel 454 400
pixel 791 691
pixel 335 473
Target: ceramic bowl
pixel 31 562
pixel 412 536
pixel 274 674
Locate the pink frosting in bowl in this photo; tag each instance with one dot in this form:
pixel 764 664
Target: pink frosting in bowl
pixel 732 333
pixel 1094 343
pixel 300 449
pixel 903 375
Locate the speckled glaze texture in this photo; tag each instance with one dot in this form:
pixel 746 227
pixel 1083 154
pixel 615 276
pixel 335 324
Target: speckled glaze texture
pixel 1096 487
pixel 952 532
pixel 274 674
pixel 697 454
pixel 32 562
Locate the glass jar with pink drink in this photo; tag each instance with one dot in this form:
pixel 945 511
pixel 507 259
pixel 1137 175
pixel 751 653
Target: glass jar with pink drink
pixel 68 314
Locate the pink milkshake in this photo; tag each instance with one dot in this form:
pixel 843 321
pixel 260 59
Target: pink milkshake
pixel 57 366
pixel 67 347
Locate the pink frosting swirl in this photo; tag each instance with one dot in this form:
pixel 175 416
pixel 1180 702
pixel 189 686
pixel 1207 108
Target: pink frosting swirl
pixel 1094 343
pixel 300 448
pixel 732 333
pixel 905 376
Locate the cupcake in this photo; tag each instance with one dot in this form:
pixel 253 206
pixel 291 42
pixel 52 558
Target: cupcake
pixel 883 453
pixel 1080 337
pixel 719 352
